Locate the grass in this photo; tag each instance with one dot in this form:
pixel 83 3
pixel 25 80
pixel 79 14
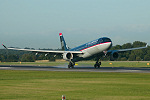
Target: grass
pixel 85 63
pixel 45 85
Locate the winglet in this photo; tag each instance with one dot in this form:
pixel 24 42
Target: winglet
pixel 146 45
pixel 4 46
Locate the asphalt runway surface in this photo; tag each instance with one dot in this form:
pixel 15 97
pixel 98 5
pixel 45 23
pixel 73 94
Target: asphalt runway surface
pixel 77 68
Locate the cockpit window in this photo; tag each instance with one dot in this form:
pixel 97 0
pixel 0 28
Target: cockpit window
pixel 106 40
pixel 103 40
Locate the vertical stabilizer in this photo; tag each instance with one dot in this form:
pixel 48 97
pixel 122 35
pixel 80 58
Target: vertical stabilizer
pixel 63 43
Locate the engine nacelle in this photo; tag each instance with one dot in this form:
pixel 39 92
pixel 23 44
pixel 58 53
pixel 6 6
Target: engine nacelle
pixel 114 55
pixel 67 56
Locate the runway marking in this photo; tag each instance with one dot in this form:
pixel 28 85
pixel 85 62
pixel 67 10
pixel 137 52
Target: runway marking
pixel 5 67
pixel 77 69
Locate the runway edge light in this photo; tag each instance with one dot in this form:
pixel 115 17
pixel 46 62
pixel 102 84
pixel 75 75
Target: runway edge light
pixel 63 97
pixel 110 63
pixel 76 64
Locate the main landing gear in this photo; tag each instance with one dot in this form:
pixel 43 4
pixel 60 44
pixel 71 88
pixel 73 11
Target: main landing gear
pixel 71 64
pixel 98 63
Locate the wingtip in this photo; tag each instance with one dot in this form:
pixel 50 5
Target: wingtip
pixel 147 45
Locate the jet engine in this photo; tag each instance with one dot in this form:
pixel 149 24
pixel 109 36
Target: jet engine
pixel 67 56
pixel 114 55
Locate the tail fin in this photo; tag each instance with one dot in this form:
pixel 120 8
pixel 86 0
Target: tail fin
pixel 63 43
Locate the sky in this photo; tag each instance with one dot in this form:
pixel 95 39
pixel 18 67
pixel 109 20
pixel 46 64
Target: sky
pixel 37 23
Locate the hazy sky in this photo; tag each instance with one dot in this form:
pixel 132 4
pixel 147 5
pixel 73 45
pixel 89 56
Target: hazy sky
pixel 37 23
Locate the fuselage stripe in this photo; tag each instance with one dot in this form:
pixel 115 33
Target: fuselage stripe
pixel 95 45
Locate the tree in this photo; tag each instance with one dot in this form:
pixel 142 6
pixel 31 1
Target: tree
pixel 138 44
pixel 12 58
pixel 123 59
pixel 147 58
pixel 127 45
pixel 116 47
pixel 28 58
pixel 132 57
pixel 2 58
pixel 138 59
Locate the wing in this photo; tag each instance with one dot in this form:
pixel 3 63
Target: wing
pixel 123 50
pixel 44 51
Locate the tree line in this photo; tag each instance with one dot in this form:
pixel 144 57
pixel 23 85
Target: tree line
pixel 134 55
pixel 24 56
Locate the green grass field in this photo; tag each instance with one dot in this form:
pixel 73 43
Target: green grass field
pixel 46 85
pixel 85 63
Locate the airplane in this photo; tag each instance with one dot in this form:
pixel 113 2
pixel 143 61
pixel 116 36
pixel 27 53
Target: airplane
pixel 95 48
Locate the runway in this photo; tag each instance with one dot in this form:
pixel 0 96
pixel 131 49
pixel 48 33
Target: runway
pixel 77 69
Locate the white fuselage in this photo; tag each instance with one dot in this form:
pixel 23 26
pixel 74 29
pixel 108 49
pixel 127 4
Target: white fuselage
pixel 87 52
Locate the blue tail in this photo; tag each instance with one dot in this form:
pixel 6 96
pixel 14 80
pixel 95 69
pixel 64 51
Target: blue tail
pixel 63 43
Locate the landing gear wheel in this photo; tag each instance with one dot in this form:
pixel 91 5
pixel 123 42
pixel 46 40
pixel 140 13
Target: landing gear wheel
pixel 71 65
pixel 98 64
pixel 95 66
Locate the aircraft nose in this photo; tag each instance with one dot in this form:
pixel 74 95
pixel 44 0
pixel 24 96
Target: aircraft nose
pixel 110 45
